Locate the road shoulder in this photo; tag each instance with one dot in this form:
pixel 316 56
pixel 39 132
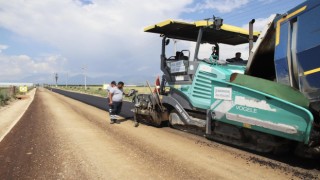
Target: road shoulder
pixel 11 114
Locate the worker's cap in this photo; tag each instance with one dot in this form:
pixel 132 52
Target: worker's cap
pixel 113 82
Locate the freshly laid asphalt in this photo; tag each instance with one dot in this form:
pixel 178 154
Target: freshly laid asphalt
pixel 99 102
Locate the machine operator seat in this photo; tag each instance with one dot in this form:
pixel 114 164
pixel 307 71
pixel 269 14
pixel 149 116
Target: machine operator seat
pixel 181 56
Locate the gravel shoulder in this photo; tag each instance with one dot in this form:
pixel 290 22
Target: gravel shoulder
pixel 10 114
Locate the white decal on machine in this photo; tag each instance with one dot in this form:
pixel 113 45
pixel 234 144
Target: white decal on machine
pixel 181 112
pixel 242 101
pixel 223 93
pixel 179 78
pixel 246 109
pixel 177 66
pixel 191 67
pixel 262 123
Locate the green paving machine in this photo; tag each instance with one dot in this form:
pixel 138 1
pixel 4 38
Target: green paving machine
pixel 270 103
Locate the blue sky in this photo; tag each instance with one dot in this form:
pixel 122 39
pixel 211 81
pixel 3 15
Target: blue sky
pixel 38 38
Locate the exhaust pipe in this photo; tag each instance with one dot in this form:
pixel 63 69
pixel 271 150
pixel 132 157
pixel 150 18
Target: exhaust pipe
pixel 251 35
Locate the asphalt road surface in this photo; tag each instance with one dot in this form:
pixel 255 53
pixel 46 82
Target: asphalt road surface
pixel 62 138
pixel 99 102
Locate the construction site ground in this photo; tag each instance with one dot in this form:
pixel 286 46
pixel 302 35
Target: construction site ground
pixel 61 138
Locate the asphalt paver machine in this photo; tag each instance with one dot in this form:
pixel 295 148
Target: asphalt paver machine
pixel 271 103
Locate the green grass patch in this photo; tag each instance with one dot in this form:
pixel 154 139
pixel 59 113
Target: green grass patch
pixel 99 91
pixel 5 96
pixel 9 93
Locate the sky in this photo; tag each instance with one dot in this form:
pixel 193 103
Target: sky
pixel 105 38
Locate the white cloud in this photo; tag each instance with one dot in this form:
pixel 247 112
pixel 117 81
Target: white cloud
pixel 259 24
pixel 228 51
pixel 143 68
pixel 17 67
pixel 3 47
pixel 223 6
pixel 264 2
pixel 107 36
pixel 99 34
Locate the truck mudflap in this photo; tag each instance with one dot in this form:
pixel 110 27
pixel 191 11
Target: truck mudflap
pixel 249 108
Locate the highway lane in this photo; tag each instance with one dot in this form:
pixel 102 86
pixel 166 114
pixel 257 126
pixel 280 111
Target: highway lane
pixel 99 102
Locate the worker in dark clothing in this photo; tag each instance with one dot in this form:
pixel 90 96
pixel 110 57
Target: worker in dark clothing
pixel 215 54
pixel 237 58
pixel 112 85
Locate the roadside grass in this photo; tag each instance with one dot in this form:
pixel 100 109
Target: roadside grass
pixel 99 91
pixel 10 93
pixel 5 96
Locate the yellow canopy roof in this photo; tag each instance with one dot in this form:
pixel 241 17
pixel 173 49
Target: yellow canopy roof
pixel 189 31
